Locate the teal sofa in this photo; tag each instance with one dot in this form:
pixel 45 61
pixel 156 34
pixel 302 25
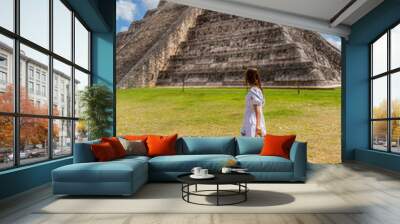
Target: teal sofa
pixel 125 176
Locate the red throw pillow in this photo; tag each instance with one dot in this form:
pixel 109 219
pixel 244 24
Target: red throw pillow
pixel 277 145
pixel 116 145
pixel 161 145
pixel 103 152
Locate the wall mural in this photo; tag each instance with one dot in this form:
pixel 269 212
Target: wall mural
pixel 181 70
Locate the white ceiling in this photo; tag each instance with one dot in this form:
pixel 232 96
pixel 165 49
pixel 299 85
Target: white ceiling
pixel 316 15
pixel 321 9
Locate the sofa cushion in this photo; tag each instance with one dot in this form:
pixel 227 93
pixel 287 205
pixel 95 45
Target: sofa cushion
pixel 103 152
pixel 112 171
pixel 206 145
pixel 116 145
pixel 257 163
pixel 133 157
pixel 161 145
pixel 185 163
pixel 277 145
pixel 249 145
pixel 135 137
pixel 136 147
pixel 83 152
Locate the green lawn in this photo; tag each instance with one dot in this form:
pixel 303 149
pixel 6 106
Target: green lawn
pixel 313 115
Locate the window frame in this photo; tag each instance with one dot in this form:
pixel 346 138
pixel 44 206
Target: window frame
pixel 16 114
pixel 388 74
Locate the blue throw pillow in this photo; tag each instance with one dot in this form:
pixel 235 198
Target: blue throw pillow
pixel 249 145
pixel 206 145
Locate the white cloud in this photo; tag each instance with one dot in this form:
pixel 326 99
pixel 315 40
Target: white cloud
pixel 123 28
pixel 126 10
pixel 151 4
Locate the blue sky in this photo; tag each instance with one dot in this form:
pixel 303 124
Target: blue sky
pixel 130 10
pixel 335 40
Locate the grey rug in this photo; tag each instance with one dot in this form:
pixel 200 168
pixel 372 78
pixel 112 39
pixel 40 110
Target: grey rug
pixel 166 198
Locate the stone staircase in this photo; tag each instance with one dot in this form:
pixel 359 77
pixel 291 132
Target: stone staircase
pixel 220 47
pixel 175 45
pixel 142 35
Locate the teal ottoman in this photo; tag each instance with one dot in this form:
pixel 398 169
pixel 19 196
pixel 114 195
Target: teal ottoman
pixel 119 177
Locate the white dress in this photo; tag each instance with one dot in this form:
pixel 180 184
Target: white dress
pixel 254 97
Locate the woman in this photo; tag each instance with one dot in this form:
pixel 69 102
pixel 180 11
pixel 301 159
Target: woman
pixel 253 122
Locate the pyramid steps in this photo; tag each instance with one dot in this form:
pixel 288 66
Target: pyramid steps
pixel 269 34
pixel 234 42
pixel 134 43
pixel 218 47
pixel 256 52
pixel 230 44
pixel 232 74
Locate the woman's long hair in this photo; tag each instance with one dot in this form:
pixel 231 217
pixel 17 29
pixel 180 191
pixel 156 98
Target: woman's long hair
pixel 253 78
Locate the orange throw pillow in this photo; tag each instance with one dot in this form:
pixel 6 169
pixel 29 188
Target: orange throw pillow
pixel 136 137
pixel 103 152
pixel 277 145
pixel 116 145
pixel 161 145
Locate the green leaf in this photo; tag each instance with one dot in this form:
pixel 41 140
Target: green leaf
pixel 97 104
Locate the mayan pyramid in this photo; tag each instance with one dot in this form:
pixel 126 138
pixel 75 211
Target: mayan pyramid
pixel 175 45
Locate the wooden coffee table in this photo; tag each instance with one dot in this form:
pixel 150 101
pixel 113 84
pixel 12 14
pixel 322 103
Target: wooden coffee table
pixel 238 179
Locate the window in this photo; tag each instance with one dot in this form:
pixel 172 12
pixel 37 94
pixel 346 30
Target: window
pixel 385 92
pixel 81 45
pixel 62 137
pixel 7 14
pixel 37 75
pixel 3 78
pixel 81 82
pixel 44 91
pixel 62 29
pixel 6 142
pixel 35 21
pixel 55 101
pixel 62 74
pixel 6 74
pixel 3 61
pixel 38 89
pixel 3 72
pixel 3 82
pixel 47 77
pixel 33 140
pixel 395 47
pixel 30 72
pixel 30 88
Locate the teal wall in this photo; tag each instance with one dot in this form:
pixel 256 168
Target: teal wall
pixel 103 63
pixel 355 73
pixel 99 16
pixel 24 178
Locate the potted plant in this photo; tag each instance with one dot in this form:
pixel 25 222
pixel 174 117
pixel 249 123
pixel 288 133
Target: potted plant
pixel 96 102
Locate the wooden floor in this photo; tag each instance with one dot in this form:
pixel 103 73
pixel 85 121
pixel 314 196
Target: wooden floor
pixel 379 189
